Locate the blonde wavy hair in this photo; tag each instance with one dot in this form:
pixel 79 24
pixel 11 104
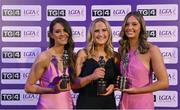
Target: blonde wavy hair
pixel 90 39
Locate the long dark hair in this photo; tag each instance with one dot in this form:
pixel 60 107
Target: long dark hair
pixel 70 44
pixel 143 46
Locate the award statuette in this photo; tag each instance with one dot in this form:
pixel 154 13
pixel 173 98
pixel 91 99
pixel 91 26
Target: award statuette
pixel 123 83
pixel 64 77
pixel 101 84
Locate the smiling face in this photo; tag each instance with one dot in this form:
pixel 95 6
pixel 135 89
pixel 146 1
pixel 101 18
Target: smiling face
pixel 59 34
pixel 101 33
pixel 132 27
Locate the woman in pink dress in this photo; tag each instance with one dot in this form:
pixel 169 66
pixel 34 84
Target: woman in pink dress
pixel 143 59
pixel 49 67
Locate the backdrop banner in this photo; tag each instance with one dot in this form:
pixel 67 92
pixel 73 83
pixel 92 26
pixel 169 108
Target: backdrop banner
pixel 24 27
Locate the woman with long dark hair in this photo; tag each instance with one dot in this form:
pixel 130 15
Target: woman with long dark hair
pixel 49 68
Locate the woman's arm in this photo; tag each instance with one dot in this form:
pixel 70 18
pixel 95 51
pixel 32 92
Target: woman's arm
pixel 159 70
pixel 37 70
pixel 80 82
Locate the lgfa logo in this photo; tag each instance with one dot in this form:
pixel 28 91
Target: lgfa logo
pixel 171 34
pixel 74 12
pixel 165 98
pixel 120 12
pixel 30 97
pixel 79 33
pixel 170 55
pixel 30 53
pixel 115 33
pixel 31 12
pixel 167 12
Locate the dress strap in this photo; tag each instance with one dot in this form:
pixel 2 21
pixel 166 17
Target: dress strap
pixel 54 61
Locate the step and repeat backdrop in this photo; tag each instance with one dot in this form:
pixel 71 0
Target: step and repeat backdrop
pixel 24 26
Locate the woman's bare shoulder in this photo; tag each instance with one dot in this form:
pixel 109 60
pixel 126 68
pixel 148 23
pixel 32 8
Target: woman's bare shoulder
pixel 82 53
pixel 154 50
pixel 44 57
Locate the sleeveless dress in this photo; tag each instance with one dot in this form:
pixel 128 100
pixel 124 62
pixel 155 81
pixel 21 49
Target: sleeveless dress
pixel 57 101
pixel 88 98
pixel 138 76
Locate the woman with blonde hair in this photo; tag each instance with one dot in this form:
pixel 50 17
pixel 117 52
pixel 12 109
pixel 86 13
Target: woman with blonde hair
pixel 88 70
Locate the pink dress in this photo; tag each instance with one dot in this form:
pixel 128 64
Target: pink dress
pixel 138 76
pixel 57 101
